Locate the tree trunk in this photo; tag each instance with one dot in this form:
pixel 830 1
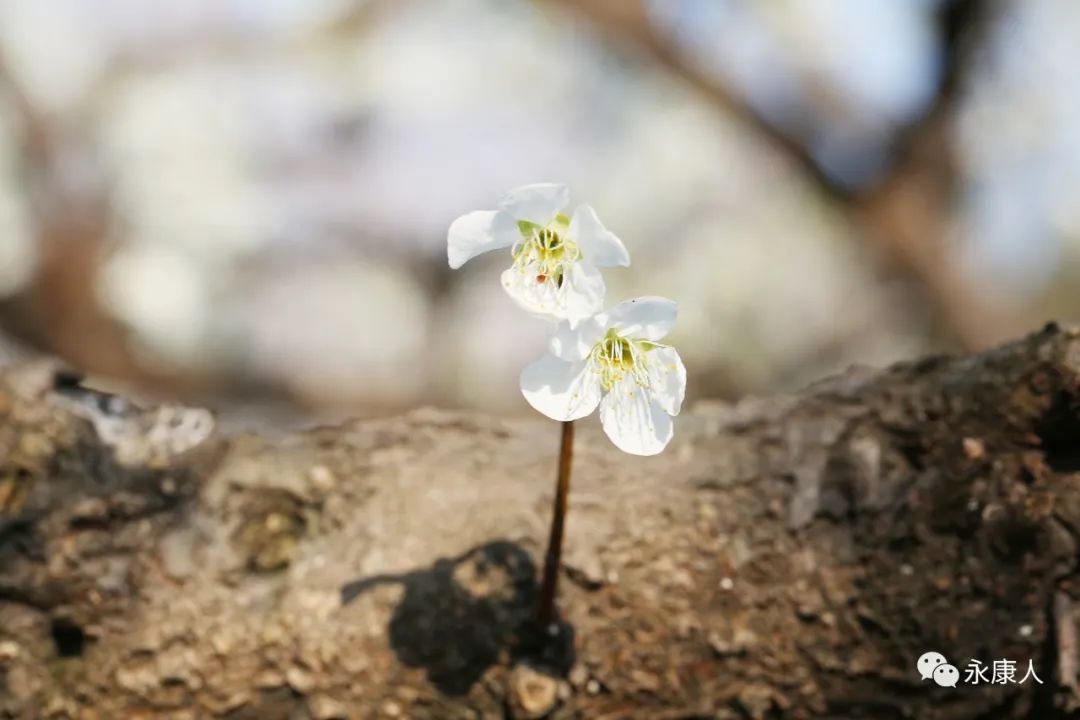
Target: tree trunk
pixel 784 558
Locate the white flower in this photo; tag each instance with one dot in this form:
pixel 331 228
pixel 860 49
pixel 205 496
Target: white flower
pixel 555 257
pixel 614 360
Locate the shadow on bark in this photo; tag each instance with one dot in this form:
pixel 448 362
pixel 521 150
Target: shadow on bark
pixel 457 617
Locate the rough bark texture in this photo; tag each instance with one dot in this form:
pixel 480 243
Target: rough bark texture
pixel 790 557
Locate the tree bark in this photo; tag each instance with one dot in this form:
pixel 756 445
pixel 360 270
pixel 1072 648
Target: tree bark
pixel 784 558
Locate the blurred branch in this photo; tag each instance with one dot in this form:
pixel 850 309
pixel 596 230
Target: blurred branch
pixel 905 215
pixel 909 212
pixel 58 311
pixel 35 138
pixel 627 22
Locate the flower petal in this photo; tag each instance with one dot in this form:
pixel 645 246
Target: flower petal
pixel 647 318
pixel 667 377
pixel 538 298
pixel 568 343
pixel 478 232
pixel 580 296
pixel 536 203
pixel 561 390
pixel 635 422
pixel 583 292
pixel 599 245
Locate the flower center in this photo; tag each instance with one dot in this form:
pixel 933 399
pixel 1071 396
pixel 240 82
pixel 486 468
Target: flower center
pixel 615 357
pixel 544 251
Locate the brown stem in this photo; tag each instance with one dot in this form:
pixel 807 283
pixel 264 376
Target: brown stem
pixel 553 558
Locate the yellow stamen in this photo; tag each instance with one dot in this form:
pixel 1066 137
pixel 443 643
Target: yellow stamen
pixel 615 357
pixel 545 252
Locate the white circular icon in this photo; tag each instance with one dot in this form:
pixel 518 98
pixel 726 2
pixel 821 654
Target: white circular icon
pixel 946 675
pixel 928 662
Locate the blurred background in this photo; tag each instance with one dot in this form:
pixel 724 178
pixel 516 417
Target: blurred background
pixel 244 203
